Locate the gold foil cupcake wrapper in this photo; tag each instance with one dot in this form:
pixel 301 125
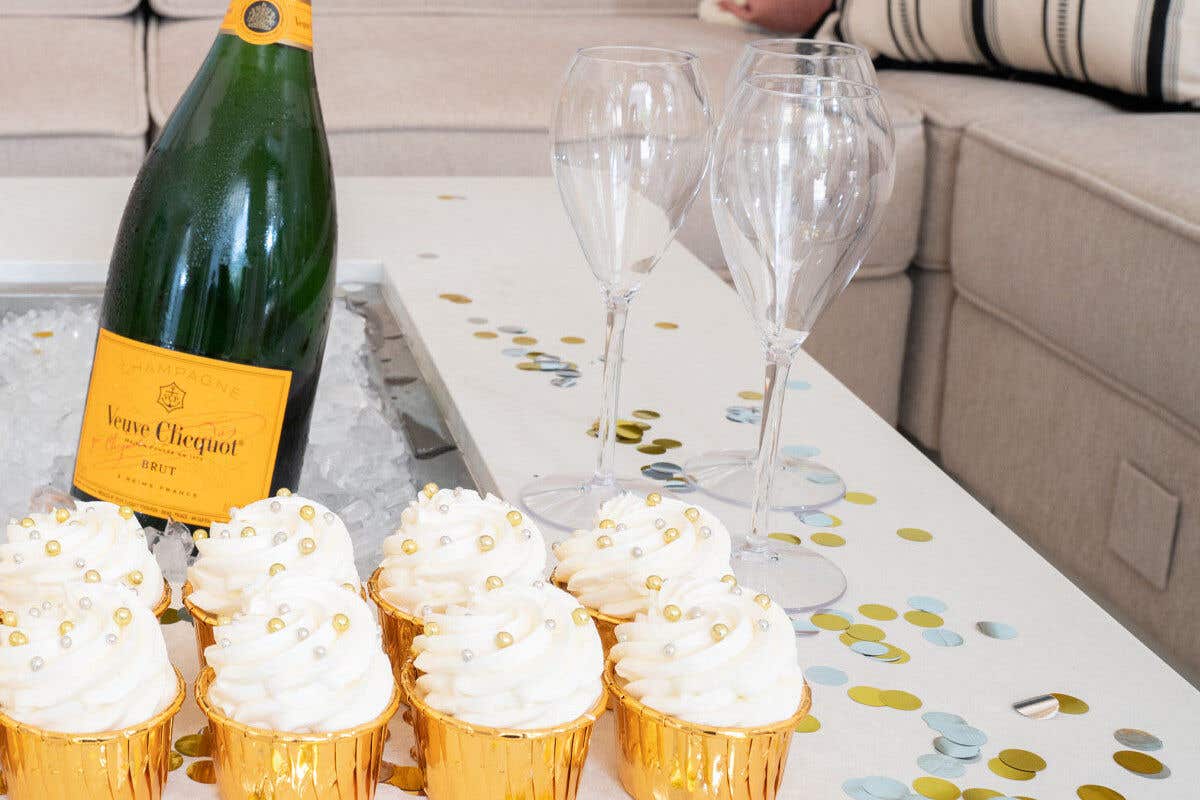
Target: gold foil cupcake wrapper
pixel 129 764
pixel 663 758
pixel 399 629
pixel 461 761
pixel 203 622
pixel 257 763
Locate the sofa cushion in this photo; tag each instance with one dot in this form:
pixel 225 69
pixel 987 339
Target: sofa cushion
pixel 1086 234
pixel 214 8
pixel 949 104
pixel 83 109
pixel 70 8
pixel 925 355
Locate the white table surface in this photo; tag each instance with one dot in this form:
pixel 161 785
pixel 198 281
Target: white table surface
pixel 506 244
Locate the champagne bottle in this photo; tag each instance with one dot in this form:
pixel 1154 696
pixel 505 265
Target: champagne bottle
pixel 218 297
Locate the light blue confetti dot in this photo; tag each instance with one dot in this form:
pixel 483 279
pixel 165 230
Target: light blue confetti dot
pixel 964 735
pixel 940 719
pixel 924 603
pixel 804 626
pixel 801 451
pixel 846 615
pixel 799 385
pixel 854 788
pixel 996 630
pixel 885 788
pixel 515 352
pixel 941 766
pixel 942 637
pixel 817 519
pixel 954 749
pixel 869 648
pixel 826 676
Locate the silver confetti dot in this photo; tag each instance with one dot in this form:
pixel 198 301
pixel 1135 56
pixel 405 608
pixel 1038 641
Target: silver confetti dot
pixel 467 655
pixel 551 624
pixel 445 541
pixel 225 644
pixel 705 532
pixel 276 506
pixel 302 633
pixel 319 651
pixel 637 552
pixel 764 625
pixel 85 603
pixel 660 523
pixel 669 650
pixel 36 663
pixel 111 638
pixel 65 641
pixel 279 538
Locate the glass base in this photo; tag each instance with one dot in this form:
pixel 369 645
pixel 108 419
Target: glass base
pixel 795 577
pixel 800 484
pixel 570 502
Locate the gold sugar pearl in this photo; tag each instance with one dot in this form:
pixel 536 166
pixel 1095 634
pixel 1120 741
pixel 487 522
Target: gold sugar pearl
pixel 654 583
pixel 493 582
pixel 126 512
pixel 429 489
pixel 604 541
pixel 122 616
pixel 17 639
pixel 514 518
pixel 248 531
pixel 408 547
pixel 670 535
pixel 581 616
pixel 729 579
pixel 283 492
pixel 135 577
pixel 65 627
pixel 504 639
pixel 762 600
pixel 485 543
pixel 199 534
pixel 53 547
pixel 653 499
pixel 27 522
pixel 61 515
pixel 307 513
pixel 308 546
pixel 692 514
pixel 341 623
pixel 432 629
pixel 719 631
pixel 8 619
pixel 606 524
pixel 673 613
pixel 91 576
pixel 275 625
pixel 350 587
pixel 275 569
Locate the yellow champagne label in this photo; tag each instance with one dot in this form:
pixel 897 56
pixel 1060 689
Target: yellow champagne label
pixel 270 22
pixel 176 435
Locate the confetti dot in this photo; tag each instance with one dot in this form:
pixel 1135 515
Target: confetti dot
pixel 884 788
pixel 827 539
pixel 914 534
pixel 651 449
pixel 940 719
pixel 1141 763
pixel 936 789
pixel 202 771
pixel 1138 739
pixel 667 326
pixel 408 779
pixel 669 444
pixel 194 745
pixel 900 700
pixel 818 519
pixel 1024 760
pixel 923 619
pixel 860 498
pixel 477 320
pixel 790 538
pixel 450 197
pixel 1070 705
pixel 834 521
pixel 750 394
pixel 802 451
pixel 524 340
pixel 877 612
pixel 1004 770
pixel 826 676
pixel 866 695
pixel 830 622
pixel 868 648
pixel 809 724
pixel 485 335
pixel 572 340
pixel 1091 791
pixel 942 637
pixel 965 735
pixel 174 762
pixel 996 630
pixel 799 385
pixel 954 749
pixel 867 633
pixel 941 765
pixel 646 413
pixel 460 299
pixel 923 603
pixel 980 794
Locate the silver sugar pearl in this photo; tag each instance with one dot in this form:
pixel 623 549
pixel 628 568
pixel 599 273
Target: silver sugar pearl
pixel 279 538
pixel 284 608
pixel 551 624
pixel 669 650
pixel 695 613
pixel 764 625
pixel 457 492
pixel 65 641
pixel 111 638
pixel 34 611
pixel 301 633
pixel 328 517
pixel 319 651
pixel 35 535
pixel 660 523
pixel 80 563
pixel 621 526
pixel 225 534
pixel 18 558
pixel 736 590
pixel 445 541
pixel 276 506
pixel 47 605
pixel 538 584
pixel 426 612
pixel 705 531
pixel 637 552
pixel 528 534
pixel 467 655
pixel 445 509
pixel 36 663
pixel 622 637
pixel 85 603
pixel 225 643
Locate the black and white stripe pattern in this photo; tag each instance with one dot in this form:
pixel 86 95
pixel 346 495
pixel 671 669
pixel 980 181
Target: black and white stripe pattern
pixel 1149 48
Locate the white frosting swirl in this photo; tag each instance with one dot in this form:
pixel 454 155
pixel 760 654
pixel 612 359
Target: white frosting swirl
pixel 75 668
pixel 449 543
pixel 237 556
pixel 517 657
pixel 303 655
pixel 741 674
pixel 607 567
pixel 45 551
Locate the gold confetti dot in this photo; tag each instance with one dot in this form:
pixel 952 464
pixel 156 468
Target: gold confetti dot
pixel 174 762
pixel 194 745
pixel 829 622
pixel 646 413
pixel 866 633
pixel 914 534
pixel 1070 705
pixel 867 695
pixel 450 197
pixel 666 326
pixel 1012 773
pixel 453 297
pixel 572 340
pixel 667 444
pixel 827 539
pixel 790 538
pixel 808 724
pixel 936 788
pixel 1141 763
pixel 651 449
pixel 42 334
pixel 900 700
pixel 524 340
pixel 924 619
pixel 859 498
pixel 486 335
pixel 749 394
pixel 1092 791
pixel 202 771
pixel 834 521
pixel 877 612
pixel 980 794
pixel 1023 760
pixel 408 779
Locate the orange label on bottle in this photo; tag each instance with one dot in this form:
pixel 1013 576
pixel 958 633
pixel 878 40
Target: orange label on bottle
pixel 271 22
pixel 176 435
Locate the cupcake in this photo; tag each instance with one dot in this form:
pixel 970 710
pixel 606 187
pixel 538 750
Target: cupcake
pixel 504 691
pixel 94 543
pixel 87 695
pixel 636 544
pixel 282 533
pixel 298 693
pixel 708 692
pixel 450 544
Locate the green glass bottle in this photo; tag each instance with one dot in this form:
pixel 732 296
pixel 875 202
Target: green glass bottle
pixel 218 296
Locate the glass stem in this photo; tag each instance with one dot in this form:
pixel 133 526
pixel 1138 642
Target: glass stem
pixel 779 363
pixel 614 347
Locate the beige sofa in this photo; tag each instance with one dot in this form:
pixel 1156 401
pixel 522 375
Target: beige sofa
pixel 1027 314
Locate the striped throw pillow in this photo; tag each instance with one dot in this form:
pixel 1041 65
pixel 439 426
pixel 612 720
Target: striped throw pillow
pixel 1149 48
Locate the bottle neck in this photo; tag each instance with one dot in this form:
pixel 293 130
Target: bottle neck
pixel 267 22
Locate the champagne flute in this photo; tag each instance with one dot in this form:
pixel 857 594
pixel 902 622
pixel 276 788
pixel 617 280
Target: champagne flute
pixel 629 146
pixel 802 170
pixel 800 483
